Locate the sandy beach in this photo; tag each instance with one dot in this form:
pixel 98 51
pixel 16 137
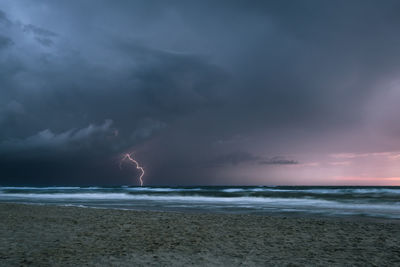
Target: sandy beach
pixel 69 236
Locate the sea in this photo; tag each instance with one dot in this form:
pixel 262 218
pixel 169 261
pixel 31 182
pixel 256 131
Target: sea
pixel 354 201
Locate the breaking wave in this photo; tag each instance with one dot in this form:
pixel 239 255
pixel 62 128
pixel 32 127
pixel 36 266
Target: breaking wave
pixel 331 201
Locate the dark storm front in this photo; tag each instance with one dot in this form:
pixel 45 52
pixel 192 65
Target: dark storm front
pixel 329 201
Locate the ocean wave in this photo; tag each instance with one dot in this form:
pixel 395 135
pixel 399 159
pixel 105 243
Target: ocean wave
pixel 161 189
pixel 292 202
pixel 229 199
pixel 40 188
pixel 340 194
pixel 322 191
pixel 67 196
pixel 233 190
pixel 327 190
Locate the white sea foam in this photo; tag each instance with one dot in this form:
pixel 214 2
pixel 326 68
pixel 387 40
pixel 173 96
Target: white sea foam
pixel 253 201
pixel 383 202
pixel 232 190
pixel 99 196
pixel 39 188
pixel 160 189
pixel 327 191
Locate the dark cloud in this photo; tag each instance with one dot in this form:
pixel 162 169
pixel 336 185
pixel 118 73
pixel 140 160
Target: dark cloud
pixel 45 41
pixel 5 42
pixel 278 161
pixel 239 157
pixel 46 139
pixel 43 36
pixel 235 158
pixel 38 31
pixel 181 81
pixel 3 19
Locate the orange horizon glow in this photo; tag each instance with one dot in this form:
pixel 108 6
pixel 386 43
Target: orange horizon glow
pixel 379 181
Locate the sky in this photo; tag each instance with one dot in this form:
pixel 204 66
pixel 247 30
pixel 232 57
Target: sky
pixel 201 92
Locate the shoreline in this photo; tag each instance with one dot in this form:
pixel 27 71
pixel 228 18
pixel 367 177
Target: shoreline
pixel 48 235
pixel 285 215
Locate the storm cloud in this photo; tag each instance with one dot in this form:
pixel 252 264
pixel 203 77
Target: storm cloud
pixel 197 89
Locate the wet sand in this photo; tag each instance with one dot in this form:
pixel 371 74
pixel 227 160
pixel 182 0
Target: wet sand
pixel 69 236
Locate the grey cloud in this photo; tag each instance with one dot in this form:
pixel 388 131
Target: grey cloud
pixel 38 31
pixel 238 157
pixel 178 76
pixel 5 42
pixel 150 89
pixel 235 158
pixel 45 41
pixel 47 139
pixel 147 128
pixel 10 111
pixel 3 19
pixel 15 107
pixel 42 36
pixel 278 160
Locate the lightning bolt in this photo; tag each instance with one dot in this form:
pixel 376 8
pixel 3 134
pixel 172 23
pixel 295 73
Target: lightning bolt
pixel 129 157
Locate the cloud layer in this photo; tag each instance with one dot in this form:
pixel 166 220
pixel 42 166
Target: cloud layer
pixel 198 89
